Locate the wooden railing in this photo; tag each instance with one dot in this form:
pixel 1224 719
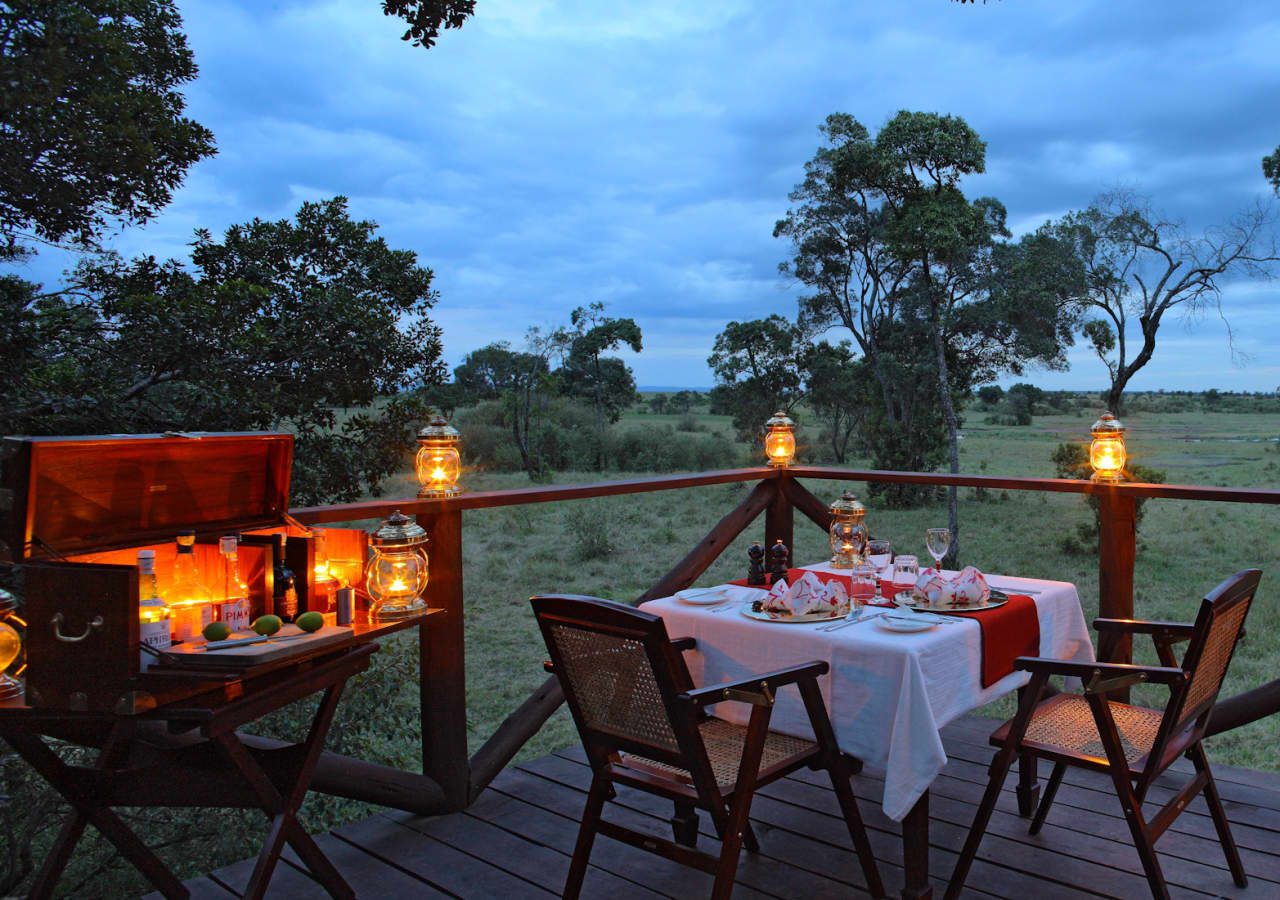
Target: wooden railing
pixel 450 779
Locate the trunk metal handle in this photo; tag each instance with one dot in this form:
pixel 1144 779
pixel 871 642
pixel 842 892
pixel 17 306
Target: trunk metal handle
pixel 94 624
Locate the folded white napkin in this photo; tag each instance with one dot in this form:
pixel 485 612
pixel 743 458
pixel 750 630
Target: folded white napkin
pixel 807 595
pixel 969 588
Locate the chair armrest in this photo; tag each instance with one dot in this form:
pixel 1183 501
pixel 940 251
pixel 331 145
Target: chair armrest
pixel 757 689
pixel 682 644
pixel 1179 630
pixel 1103 676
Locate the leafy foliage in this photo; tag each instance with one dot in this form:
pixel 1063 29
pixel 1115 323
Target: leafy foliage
pixel 757 369
pixel 277 325
pixel 1271 170
pixel 91 123
pixel 427 17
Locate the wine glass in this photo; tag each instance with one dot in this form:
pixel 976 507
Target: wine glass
pixel 938 541
pixel 879 553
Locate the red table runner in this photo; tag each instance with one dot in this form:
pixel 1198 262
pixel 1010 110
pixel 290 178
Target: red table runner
pixel 1007 631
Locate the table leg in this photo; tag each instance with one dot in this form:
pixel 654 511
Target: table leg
pixel 915 851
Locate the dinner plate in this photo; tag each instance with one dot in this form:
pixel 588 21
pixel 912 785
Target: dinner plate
pixel 763 616
pixel 702 596
pixel 904 624
pixel 904 598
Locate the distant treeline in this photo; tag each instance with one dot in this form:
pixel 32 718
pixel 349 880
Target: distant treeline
pixel 1020 402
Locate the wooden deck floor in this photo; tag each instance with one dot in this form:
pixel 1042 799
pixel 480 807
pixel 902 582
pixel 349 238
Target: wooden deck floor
pixel 515 841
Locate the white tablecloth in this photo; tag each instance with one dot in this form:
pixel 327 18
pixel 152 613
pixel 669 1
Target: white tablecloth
pixel 888 693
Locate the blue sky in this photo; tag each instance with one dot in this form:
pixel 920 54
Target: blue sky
pixel 554 153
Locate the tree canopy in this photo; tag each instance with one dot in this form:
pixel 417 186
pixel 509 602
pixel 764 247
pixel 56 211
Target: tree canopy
pixel 427 17
pixel 1271 170
pixel 314 325
pixel 91 117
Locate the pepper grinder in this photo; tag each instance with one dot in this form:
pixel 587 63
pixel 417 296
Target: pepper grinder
pixel 778 556
pixel 755 568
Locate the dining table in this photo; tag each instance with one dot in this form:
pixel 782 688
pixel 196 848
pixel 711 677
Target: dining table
pixel 888 693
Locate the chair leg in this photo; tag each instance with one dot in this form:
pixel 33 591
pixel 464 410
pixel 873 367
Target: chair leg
pixel 1028 790
pixel 1138 829
pixel 749 842
pixel 1046 801
pixel 600 788
pixel 684 824
pixel 857 830
pixel 999 769
pixel 1211 797
pixel 731 846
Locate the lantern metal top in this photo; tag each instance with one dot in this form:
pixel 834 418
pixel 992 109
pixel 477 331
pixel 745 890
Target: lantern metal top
pixel 1107 426
pixel 848 507
pixel 439 429
pixel 780 420
pixel 399 530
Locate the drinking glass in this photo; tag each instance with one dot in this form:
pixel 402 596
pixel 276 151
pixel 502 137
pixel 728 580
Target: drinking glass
pixel 879 553
pixel 906 570
pixel 862 589
pixel 938 540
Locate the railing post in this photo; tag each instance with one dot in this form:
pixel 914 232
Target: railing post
pixel 779 517
pixel 1117 550
pixel 442 660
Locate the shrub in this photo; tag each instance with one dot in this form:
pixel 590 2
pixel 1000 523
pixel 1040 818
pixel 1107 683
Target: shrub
pixel 1072 461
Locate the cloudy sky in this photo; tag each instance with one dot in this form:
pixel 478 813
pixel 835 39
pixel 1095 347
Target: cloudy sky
pixel 554 153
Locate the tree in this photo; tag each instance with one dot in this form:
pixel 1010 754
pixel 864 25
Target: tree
pixel 521 381
pixel 683 401
pixel 833 381
pixel 1141 266
pixel 990 394
pixel 1271 170
pixel 587 372
pixel 427 17
pixel 277 325
pixel 658 403
pixel 757 370
pixel 91 123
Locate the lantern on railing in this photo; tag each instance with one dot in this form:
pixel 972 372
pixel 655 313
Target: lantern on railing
pixel 438 462
pixel 10 646
pixel 396 574
pixel 1106 452
pixel 848 532
pixel 780 441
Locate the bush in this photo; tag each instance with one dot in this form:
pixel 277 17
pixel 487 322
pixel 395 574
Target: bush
pixel 591 540
pixel 1072 461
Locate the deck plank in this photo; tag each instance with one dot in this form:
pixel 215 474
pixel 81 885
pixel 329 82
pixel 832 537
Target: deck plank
pixel 516 840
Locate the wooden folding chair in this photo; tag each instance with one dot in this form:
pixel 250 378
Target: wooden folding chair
pixel 1133 744
pixel 644 725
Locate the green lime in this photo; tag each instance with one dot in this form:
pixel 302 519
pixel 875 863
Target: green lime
pixel 310 621
pixel 216 631
pixel 267 625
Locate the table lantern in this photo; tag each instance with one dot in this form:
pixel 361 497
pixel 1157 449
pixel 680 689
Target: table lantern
pixel 438 462
pixel 1106 453
pixel 10 647
pixel 397 572
pixel 848 532
pixel 780 441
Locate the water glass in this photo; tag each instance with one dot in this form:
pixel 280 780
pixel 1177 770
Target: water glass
pixel 906 569
pixel 862 589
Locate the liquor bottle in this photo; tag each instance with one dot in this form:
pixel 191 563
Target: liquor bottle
pixel 153 612
pixel 323 596
pixel 190 600
pixel 235 593
pixel 284 597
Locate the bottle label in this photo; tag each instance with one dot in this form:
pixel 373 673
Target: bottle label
pixel 287 604
pixel 236 614
pixel 155 635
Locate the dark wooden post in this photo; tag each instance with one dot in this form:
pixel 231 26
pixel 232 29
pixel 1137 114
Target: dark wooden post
pixel 442 682
pixel 1117 551
pixel 779 517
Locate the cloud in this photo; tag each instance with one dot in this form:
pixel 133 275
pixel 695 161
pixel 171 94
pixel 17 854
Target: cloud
pixel 553 153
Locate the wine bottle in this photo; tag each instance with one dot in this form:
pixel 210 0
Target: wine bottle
pixel 153 612
pixel 284 597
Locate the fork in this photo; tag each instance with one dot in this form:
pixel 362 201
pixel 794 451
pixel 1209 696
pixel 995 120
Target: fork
pixel 847 621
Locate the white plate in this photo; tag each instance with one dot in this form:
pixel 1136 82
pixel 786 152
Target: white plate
pixel 805 619
pixel 702 596
pixel 902 624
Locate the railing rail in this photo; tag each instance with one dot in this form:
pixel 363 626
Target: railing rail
pixel 450 780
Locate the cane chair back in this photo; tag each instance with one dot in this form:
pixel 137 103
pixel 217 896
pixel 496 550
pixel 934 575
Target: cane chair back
pixel 620 677
pixel 1219 626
